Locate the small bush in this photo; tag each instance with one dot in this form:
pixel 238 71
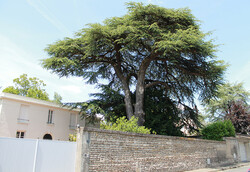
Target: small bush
pixel 218 130
pixel 122 124
pixel 72 137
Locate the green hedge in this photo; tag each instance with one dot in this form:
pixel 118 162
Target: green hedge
pixel 218 130
pixel 122 124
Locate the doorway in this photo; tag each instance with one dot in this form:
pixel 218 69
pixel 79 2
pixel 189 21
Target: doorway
pixel 47 137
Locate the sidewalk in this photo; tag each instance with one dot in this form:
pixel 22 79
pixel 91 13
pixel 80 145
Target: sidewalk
pixel 218 169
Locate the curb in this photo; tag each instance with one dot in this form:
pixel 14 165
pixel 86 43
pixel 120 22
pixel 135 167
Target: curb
pixel 235 166
pixel 218 169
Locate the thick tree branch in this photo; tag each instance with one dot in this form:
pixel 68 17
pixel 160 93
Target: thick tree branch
pixel 157 83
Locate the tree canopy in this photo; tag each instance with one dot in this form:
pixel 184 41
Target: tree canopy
pixel 57 98
pixel 239 114
pixel 227 95
pixel 163 115
pixel 148 46
pixel 31 87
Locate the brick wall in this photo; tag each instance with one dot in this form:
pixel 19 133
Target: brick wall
pixel 104 150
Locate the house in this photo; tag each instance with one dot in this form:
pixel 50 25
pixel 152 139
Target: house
pixel 25 117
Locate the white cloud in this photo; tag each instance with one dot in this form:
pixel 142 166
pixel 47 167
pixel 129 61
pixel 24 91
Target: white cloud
pixel 78 92
pixel 14 61
pixel 71 88
pixel 47 14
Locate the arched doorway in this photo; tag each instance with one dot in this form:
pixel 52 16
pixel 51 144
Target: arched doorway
pixel 47 137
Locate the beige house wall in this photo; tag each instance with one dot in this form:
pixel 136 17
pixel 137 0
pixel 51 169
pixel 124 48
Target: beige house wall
pixel 37 111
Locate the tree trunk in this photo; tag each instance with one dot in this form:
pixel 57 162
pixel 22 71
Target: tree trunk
pixel 140 88
pixel 128 102
pixel 125 86
pixel 139 112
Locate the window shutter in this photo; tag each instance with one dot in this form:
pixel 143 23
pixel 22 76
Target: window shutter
pixel 72 119
pixel 24 112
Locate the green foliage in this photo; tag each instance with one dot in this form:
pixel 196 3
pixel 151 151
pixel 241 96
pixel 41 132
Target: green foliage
pixel 72 137
pixel 11 90
pixel 122 124
pixel 37 93
pixel 218 107
pixel 239 115
pixel 57 98
pixel 166 116
pixel 88 110
pixel 162 114
pixel 155 45
pixel 111 101
pixel 29 87
pixel 218 130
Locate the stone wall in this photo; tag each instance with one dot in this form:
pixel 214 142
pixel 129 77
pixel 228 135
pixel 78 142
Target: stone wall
pixel 104 150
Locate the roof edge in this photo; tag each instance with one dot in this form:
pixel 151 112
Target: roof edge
pixel 33 101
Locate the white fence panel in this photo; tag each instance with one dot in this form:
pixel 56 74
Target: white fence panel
pixel 16 155
pixel 53 156
pixel 30 155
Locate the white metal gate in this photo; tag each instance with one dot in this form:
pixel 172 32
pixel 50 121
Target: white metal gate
pixel 30 155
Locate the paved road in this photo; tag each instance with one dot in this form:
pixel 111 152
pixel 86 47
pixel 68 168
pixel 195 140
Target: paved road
pixel 240 169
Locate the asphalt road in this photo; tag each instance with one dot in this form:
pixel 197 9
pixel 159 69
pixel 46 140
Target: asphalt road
pixel 240 169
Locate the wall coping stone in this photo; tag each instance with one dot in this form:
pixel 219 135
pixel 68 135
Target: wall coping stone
pixel 244 138
pixel 90 129
pixel 238 137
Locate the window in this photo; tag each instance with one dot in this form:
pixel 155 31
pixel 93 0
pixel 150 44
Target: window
pixel 73 121
pixel 50 117
pixel 23 114
pixel 20 134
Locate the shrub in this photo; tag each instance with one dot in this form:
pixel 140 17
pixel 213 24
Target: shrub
pixel 218 130
pixel 72 137
pixel 122 124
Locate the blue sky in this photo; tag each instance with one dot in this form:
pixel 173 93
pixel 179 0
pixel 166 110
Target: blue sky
pixel 27 27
